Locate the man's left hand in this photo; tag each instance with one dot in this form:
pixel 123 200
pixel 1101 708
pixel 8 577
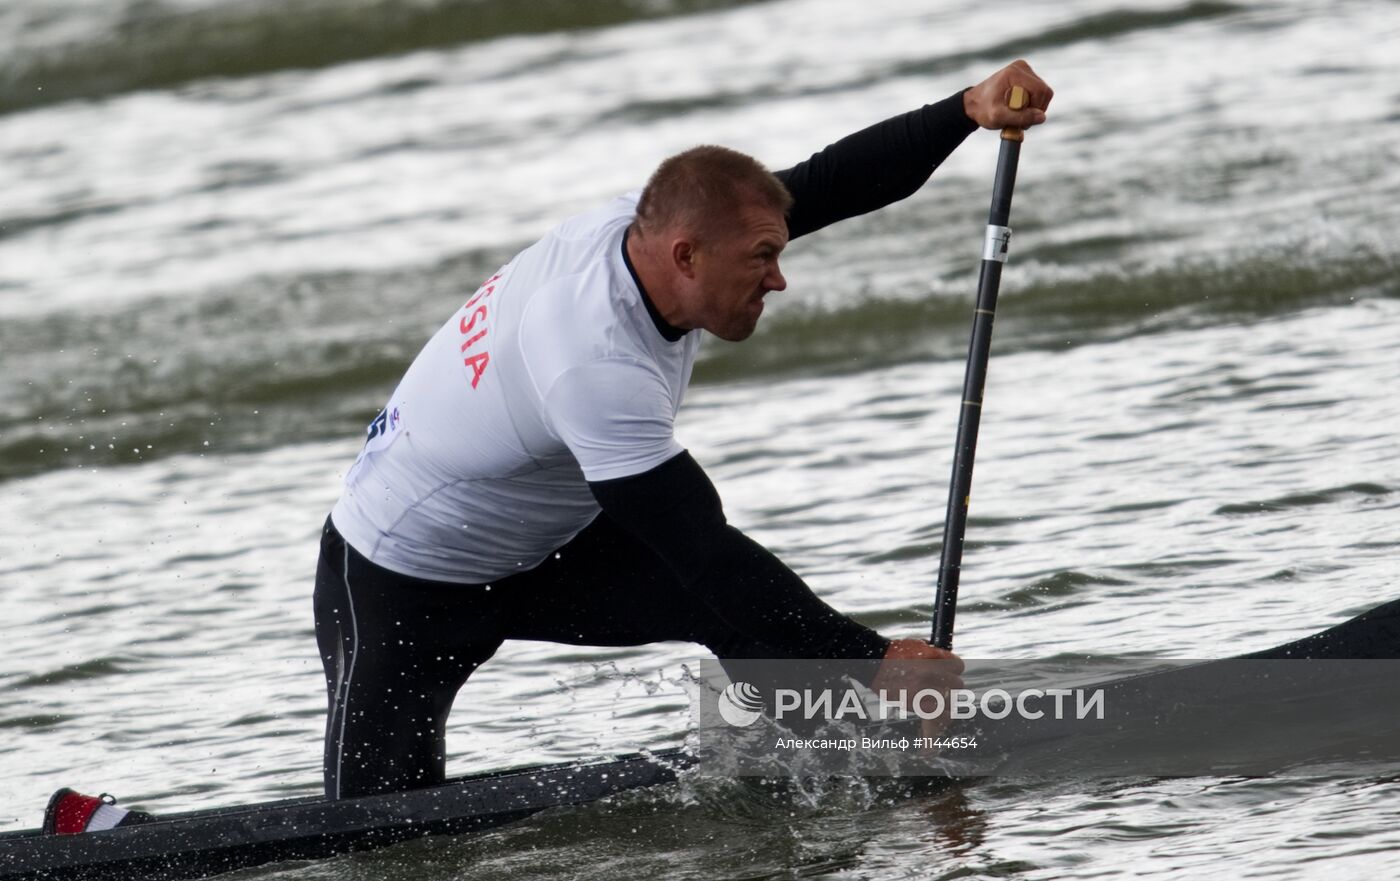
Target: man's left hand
pixel 905 671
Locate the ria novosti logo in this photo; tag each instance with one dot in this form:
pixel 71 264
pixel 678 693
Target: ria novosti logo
pixel 740 704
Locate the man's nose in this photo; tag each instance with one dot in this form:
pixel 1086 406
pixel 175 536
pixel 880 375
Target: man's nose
pixel 774 281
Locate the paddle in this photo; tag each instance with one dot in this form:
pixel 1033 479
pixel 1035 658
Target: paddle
pixel 994 254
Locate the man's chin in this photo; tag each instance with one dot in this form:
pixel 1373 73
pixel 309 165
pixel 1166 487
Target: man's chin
pixel 741 327
pixel 736 333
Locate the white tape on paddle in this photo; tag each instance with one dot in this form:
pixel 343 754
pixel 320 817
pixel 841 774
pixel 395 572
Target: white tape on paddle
pixel 997 244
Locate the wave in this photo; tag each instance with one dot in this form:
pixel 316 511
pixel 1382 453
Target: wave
pixel 281 361
pixel 1079 307
pixel 1366 491
pixel 146 44
pixel 1098 26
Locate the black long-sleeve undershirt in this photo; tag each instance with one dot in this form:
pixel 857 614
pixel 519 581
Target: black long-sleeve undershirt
pixel 874 167
pixel 676 511
pixel 674 507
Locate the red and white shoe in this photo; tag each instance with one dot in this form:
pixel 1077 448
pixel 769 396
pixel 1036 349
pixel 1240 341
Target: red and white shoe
pixel 69 813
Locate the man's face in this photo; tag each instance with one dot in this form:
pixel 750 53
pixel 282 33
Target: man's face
pixel 735 269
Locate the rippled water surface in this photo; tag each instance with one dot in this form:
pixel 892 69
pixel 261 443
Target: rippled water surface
pixel 225 229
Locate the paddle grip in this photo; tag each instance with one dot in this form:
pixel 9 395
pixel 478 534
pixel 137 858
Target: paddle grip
pixel 1017 101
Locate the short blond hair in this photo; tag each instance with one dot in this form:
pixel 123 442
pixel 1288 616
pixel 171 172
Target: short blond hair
pixel 702 190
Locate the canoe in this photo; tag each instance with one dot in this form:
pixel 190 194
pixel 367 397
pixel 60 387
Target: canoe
pixel 201 843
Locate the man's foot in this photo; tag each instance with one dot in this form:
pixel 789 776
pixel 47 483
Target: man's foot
pixel 69 813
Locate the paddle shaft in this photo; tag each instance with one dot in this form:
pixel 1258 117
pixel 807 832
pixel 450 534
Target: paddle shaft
pixel 974 381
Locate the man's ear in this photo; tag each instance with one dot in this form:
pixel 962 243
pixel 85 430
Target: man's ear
pixel 683 257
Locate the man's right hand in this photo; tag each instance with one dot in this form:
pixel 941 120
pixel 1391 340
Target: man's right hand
pixel 906 670
pixel 985 103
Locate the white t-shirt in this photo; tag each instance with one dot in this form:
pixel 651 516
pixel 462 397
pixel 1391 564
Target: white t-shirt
pixel 551 375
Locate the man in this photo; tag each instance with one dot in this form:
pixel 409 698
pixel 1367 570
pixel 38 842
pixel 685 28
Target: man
pixel 524 481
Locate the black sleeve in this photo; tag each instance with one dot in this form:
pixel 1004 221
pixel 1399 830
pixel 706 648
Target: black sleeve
pixel 676 511
pixel 874 167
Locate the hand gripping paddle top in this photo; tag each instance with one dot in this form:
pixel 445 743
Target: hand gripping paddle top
pixel 994 253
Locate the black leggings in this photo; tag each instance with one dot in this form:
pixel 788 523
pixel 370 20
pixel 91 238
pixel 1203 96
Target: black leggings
pixel 396 649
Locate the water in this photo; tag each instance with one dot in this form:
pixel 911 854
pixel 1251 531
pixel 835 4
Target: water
pixel 227 227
